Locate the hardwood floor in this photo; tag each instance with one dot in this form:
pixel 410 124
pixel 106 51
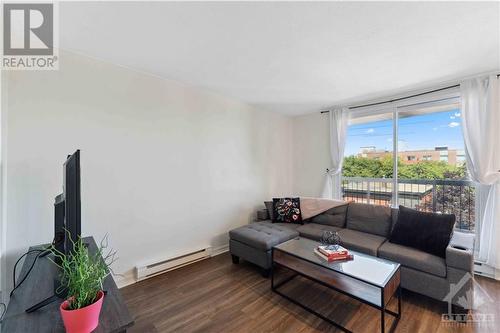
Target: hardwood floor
pixel 215 295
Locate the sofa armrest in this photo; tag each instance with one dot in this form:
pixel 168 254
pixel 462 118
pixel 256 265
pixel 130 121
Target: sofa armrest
pixel 460 258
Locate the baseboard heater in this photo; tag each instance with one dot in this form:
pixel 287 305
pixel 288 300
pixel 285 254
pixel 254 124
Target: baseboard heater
pixel 484 270
pixel 160 267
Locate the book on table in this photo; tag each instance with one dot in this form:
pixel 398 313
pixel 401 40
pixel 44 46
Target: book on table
pixel 336 257
pixel 333 250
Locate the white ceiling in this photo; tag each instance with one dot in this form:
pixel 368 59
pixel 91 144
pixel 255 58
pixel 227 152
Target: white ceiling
pixel 293 58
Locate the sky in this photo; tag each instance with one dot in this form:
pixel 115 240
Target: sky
pixel 415 133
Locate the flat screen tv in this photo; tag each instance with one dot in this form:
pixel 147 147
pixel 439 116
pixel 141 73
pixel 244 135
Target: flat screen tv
pixel 67 221
pixel 72 204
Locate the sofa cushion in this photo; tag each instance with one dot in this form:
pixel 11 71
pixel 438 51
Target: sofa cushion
pixel 413 258
pixel 314 230
pixel 262 215
pixel 292 226
pixel 263 235
pixel 270 209
pixel 334 217
pixel 372 219
pixel 429 232
pixel 360 241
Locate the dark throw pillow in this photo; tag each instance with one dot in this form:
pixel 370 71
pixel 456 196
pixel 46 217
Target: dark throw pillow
pixel 287 210
pixel 270 209
pixel 428 232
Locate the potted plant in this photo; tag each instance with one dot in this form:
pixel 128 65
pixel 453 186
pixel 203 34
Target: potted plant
pixel 82 276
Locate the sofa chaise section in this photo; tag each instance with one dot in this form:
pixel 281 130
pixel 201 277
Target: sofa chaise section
pixel 254 242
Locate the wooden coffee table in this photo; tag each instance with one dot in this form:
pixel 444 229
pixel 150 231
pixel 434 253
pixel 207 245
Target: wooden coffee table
pixel 368 279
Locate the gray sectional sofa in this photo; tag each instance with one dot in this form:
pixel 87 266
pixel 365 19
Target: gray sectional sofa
pixel 364 228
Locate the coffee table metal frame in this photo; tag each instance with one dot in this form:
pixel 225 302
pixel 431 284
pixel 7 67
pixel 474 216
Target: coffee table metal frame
pixel 382 308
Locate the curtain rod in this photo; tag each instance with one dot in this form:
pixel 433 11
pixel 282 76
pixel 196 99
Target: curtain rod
pixel 401 98
pixel 398 99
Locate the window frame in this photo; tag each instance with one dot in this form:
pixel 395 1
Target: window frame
pixel 432 102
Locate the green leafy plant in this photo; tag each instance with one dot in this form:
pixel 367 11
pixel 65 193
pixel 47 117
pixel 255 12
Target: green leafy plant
pixel 82 274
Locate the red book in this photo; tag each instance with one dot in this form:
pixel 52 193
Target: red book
pixel 333 253
pixel 336 258
pixel 346 257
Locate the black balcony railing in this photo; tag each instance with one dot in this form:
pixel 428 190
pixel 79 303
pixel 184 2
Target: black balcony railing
pixel 447 196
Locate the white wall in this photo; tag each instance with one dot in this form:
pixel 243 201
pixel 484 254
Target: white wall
pixel 311 154
pixel 165 168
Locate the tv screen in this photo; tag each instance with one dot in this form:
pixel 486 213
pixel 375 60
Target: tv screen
pixel 72 200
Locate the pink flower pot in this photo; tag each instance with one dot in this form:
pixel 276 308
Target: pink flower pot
pixel 82 320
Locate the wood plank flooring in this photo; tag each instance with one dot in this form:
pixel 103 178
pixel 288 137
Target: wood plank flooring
pixel 215 295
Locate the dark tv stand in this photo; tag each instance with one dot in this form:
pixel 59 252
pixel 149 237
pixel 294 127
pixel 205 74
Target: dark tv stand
pixel 58 294
pixel 43 303
pixel 39 285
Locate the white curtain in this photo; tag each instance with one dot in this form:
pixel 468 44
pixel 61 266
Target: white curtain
pixel 339 120
pixel 481 131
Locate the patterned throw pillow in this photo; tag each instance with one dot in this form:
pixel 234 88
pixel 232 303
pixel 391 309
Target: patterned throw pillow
pixel 287 210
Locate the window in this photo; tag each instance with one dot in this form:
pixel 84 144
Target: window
pixel 411 155
pixel 365 161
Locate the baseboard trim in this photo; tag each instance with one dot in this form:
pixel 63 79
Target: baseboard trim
pixel 216 250
pixel 124 280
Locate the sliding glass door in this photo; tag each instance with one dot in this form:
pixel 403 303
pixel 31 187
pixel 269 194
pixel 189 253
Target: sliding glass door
pixel 432 175
pixel 412 155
